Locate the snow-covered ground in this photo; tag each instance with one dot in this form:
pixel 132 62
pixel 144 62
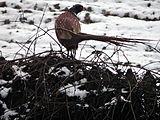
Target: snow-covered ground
pixel 17 37
pixel 142 20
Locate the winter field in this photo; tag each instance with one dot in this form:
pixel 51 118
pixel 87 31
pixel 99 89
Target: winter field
pixel 121 18
pixel 49 85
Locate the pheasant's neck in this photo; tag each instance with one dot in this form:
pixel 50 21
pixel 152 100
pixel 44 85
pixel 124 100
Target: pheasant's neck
pixel 73 11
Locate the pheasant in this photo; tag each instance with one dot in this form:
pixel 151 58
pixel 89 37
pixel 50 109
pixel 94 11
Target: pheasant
pixel 66 25
pixel 68 31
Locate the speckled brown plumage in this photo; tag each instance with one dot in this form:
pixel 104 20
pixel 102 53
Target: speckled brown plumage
pixel 68 24
pixel 67 21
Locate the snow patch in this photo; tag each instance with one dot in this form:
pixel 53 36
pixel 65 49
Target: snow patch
pixel 65 70
pixel 112 102
pixel 19 72
pixel 8 114
pixel 71 91
pixel 4 91
pixel 108 89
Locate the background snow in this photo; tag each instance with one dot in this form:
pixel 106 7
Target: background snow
pixel 15 34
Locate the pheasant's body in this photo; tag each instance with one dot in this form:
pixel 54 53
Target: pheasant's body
pixel 65 24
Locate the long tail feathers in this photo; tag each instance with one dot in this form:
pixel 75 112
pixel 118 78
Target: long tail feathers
pixel 110 39
pixel 79 37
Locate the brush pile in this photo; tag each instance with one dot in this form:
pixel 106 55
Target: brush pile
pixel 52 87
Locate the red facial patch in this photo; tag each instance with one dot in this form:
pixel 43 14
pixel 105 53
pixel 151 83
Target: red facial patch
pixel 81 8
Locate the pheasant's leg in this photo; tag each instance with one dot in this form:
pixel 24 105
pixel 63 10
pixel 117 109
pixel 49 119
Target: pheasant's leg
pixel 73 53
pixel 68 51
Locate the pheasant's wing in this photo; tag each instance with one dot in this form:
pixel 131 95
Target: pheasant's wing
pixel 67 22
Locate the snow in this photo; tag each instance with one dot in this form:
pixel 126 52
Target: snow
pixel 50 70
pixel 16 34
pixel 19 72
pixel 7 111
pixel 124 91
pixel 158 84
pixel 66 71
pixel 2 82
pixel 4 92
pixel 123 99
pixel 3 105
pixel 112 102
pixel 80 71
pixel 7 114
pixel 71 91
pixel 84 80
pixel 108 89
pixel 85 105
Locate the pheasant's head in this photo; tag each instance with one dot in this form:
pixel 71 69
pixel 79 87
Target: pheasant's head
pixel 76 8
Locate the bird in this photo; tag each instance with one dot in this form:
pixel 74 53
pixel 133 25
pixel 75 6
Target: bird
pixel 66 24
pixel 68 31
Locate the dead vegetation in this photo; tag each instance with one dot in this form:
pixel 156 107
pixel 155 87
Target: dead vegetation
pixel 52 86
